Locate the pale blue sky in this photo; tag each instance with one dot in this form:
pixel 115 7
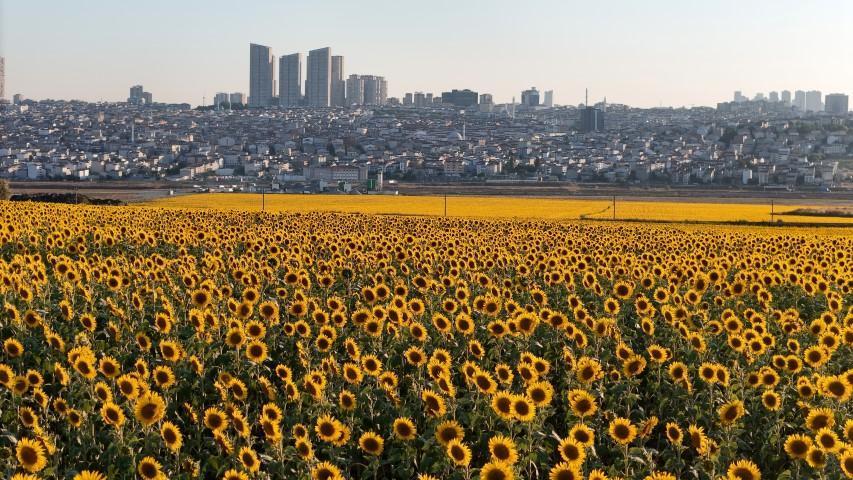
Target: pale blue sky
pixel 640 52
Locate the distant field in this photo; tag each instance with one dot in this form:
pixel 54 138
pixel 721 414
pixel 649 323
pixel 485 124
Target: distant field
pixel 499 207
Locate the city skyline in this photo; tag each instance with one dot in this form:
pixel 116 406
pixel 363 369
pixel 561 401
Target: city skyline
pixel 492 47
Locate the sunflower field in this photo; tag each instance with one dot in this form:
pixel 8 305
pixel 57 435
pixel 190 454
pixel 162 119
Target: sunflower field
pixel 176 344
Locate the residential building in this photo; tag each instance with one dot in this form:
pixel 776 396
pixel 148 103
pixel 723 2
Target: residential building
pixel 460 98
pixel 420 100
pixel 786 97
pixel 383 91
pixel 355 90
pixel 800 100
pixel 837 103
pixel 372 90
pixel 530 98
pixel 237 98
pixel 220 100
pixel 549 98
pixel 261 75
pixel 487 103
pixel 774 97
pixel 138 96
pixel 592 119
pixel 814 101
pixel 290 80
pixel 318 86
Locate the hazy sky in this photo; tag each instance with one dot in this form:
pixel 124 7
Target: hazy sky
pixel 640 52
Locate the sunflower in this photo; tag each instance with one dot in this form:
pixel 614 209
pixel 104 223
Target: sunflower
pixel 449 430
pixel 149 409
pixel 582 434
pixel 496 471
pixel 845 460
pixel 163 376
pixel 171 435
pixel 730 412
pixel 797 446
pixel 541 392
pixel 149 469
pixel 234 475
pixel 371 443
pixel 347 401
pixel 13 348
pixel 371 365
pixel 458 452
pixel 565 471
pixel 112 414
pixel 433 403
pixel 215 419
pixel 326 471
pixel 89 475
pixel 523 408
pixel 109 367
pixel 674 433
pixel 404 429
pixel 256 351
pixel 818 418
pixel 328 428
pixel 744 470
pixel 661 476
pixel 827 440
pixel 74 417
pixel 771 400
pixel 836 387
pixel 485 383
pixel 304 448
pixel 30 455
pixel 249 459
pixel 622 431
pixel 658 354
pixel 816 458
pixel 235 337
pixel 571 451
pixel 502 405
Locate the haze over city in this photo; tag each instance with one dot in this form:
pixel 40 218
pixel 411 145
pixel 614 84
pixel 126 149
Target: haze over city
pixel 651 53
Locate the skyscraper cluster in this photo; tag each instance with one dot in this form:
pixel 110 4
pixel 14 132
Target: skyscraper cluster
pixel 324 86
pixel 811 101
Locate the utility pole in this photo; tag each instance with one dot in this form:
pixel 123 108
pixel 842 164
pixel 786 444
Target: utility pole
pixel 445 204
pixel 614 207
pixel 772 210
pixel 263 201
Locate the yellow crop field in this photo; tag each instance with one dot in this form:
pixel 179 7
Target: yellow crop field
pixel 218 343
pixel 496 207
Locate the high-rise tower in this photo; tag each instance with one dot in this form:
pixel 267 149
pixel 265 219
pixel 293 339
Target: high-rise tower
pixel 261 75
pixel 318 86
